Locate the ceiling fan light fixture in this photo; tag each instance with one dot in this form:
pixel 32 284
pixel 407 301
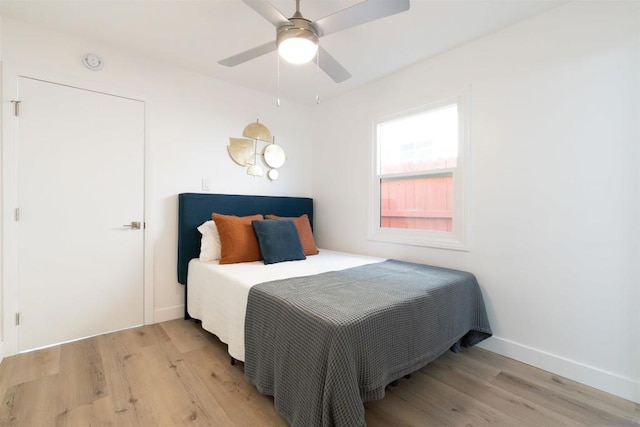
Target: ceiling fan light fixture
pixel 297 44
pixel 297 50
pixel 299 27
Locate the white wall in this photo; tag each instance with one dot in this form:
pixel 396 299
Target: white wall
pixel 189 120
pixel 1 210
pixel 555 215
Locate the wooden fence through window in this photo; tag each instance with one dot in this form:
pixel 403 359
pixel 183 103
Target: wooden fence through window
pixel 423 203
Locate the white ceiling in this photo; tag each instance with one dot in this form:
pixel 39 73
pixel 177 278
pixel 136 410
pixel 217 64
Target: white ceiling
pixel 197 34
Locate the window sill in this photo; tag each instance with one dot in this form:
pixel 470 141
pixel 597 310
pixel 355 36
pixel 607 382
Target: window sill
pixel 429 239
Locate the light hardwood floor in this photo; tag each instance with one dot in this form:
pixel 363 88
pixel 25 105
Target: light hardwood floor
pixel 174 373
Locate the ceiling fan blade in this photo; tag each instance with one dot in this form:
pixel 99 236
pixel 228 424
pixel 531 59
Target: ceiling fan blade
pixel 248 55
pixel 332 67
pixel 360 13
pixel 267 11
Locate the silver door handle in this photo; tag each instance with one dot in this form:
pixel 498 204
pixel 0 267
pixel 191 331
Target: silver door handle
pixel 135 225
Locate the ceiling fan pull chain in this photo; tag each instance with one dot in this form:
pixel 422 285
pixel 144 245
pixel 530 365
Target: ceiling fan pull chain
pixel 317 76
pixel 278 96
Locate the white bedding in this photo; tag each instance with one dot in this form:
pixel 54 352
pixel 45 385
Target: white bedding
pixel 217 294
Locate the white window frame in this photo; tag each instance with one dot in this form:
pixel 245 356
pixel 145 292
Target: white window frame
pixel 458 238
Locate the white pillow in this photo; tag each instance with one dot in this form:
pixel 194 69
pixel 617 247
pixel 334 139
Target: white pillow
pixel 210 242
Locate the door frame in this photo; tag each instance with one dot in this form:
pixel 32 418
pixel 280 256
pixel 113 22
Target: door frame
pixel 9 289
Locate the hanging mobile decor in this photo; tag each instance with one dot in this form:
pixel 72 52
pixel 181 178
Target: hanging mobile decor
pixel 245 151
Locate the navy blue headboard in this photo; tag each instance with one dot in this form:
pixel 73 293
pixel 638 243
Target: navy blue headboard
pixel 196 208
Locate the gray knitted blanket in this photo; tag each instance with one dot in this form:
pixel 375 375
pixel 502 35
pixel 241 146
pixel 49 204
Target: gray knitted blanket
pixel 323 344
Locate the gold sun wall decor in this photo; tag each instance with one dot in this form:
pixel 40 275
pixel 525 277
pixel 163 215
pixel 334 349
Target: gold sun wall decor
pixel 241 151
pixel 257 131
pixel 245 151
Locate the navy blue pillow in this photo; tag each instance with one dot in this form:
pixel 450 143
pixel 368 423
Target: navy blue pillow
pixel 278 241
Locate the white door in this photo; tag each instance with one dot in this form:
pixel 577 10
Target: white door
pixel 80 187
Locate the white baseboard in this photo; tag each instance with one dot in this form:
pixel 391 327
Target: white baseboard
pixel 609 382
pixel 168 313
pixel 1 352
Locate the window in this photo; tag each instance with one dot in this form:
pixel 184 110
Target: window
pixel 417 192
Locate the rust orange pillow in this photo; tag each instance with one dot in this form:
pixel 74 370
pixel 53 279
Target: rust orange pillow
pixel 304 232
pixel 238 242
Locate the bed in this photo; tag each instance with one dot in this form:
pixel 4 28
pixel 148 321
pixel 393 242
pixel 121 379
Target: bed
pixel 325 334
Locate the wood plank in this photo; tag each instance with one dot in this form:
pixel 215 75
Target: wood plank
pixel 26 367
pixel 178 393
pixel 242 403
pixel 523 411
pixel 145 336
pixel 33 403
pixel 186 336
pixel 226 383
pixel 569 389
pixel 450 405
pixel 82 372
pixel 394 410
pixel 98 413
pixel 152 385
pixel 128 382
pixel 579 410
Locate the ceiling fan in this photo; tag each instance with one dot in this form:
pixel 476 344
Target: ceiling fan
pixel 297 37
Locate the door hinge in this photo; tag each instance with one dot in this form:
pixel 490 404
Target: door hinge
pixel 17 214
pixel 16 107
pixel 17 318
